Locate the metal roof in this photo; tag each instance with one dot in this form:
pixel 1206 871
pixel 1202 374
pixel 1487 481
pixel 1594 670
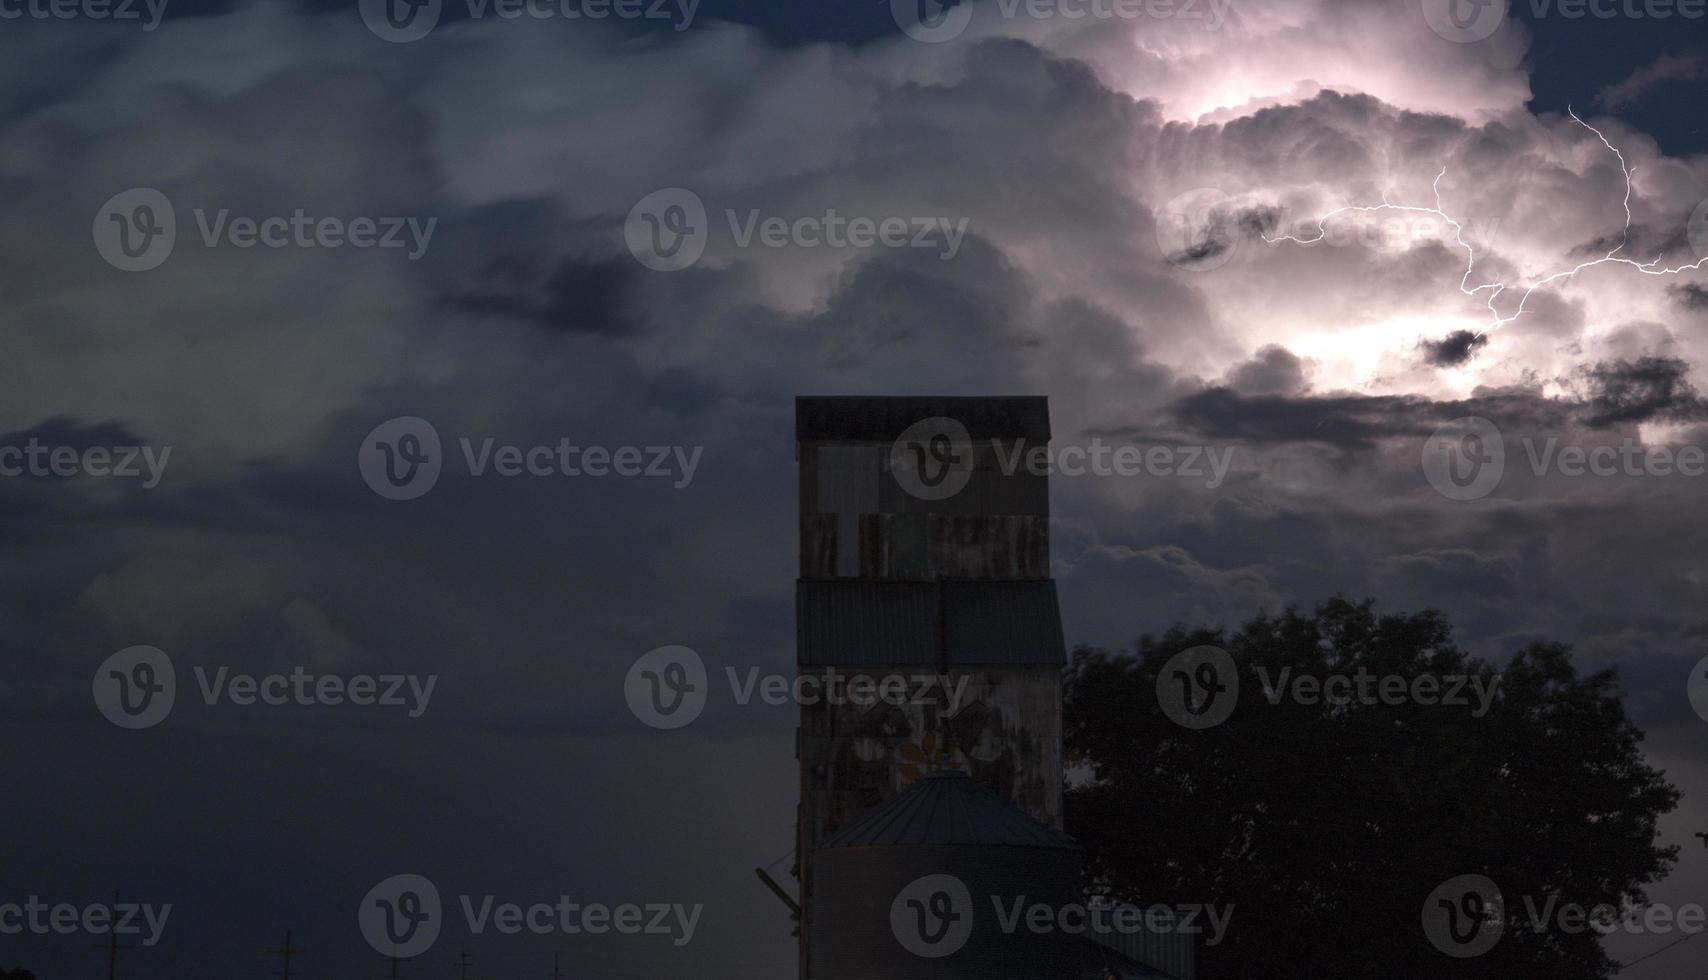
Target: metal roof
pixel 882 419
pixel 856 621
pixel 945 809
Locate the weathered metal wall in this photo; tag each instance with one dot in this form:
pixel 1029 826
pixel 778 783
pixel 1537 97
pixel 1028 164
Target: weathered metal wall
pixel 1006 733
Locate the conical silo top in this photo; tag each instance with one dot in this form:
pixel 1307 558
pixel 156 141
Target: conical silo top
pixel 948 808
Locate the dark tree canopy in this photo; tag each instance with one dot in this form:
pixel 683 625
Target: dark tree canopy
pixel 1327 827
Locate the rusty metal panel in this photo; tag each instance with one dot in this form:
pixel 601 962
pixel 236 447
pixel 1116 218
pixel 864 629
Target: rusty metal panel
pixel 818 545
pixel 1005 547
pixel 858 622
pixel 1005 732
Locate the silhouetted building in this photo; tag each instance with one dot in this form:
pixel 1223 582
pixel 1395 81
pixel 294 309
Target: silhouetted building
pixel 924 566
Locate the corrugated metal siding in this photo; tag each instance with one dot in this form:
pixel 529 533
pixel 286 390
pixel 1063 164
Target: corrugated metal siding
pixel 856 622
pixel 1174 953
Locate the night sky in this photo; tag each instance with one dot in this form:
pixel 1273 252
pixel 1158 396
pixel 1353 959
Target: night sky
pixel 1123 192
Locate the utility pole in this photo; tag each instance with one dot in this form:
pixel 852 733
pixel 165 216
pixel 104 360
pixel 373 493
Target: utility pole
pixel 112 947
pixel 462 963
pixel 285 952
pixel 392 974
pixel 556 973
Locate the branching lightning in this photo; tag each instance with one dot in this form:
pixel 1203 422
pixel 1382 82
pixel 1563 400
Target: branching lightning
pixel 1495 289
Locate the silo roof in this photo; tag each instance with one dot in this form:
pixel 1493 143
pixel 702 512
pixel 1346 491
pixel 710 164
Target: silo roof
pixel 883 418
pixel 949 808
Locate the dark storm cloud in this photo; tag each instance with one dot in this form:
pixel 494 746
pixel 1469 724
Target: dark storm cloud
pixel 1690 296
pixel 1355 423
pixel 1454 349
pixel 594 296
pixel 1274 370
pixel 1649 388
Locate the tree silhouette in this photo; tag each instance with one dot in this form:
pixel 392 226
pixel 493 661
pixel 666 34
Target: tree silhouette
pixel 1327 826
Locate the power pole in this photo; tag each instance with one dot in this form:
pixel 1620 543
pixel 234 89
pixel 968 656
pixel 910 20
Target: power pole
pixel 392 974
pixel 556 973
pixel 112 947
pixel 284 951
pixel 462 963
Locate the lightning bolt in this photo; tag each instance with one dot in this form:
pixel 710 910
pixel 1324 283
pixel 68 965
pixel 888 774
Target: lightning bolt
pixel 1495 289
